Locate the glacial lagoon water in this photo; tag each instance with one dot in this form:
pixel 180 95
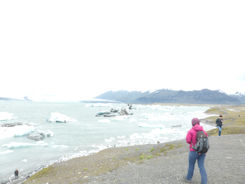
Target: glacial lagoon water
pixel 32 134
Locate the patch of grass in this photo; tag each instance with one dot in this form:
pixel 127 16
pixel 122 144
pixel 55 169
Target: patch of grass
pixel 149 157
pixel 228 130
pixel 240 121
pixel 168 147
pixel 157 154
pixel 233 130
pixel 213 132
pixel 163 149
pixel 41 173
pixel 142 157
pixel 213 110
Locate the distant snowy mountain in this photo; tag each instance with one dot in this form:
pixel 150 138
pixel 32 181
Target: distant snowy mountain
pixel 204 96
pixel 123 96
pixel 240 96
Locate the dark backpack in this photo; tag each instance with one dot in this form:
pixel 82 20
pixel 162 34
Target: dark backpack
pixel 202 144
pixel 219 122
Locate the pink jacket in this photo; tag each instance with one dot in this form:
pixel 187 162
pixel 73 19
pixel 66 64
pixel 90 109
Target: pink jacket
pixel 191 135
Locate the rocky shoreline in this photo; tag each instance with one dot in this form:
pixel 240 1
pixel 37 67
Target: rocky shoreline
pixel 158 163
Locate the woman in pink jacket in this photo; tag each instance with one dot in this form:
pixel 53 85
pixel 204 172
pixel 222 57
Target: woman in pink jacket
pixel 193 155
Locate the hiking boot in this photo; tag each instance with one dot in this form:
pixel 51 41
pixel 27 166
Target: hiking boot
pixel 186 180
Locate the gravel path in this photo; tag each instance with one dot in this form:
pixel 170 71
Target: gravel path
pixel 225 164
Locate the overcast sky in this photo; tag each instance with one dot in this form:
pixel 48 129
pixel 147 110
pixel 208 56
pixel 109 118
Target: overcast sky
pixel 69 49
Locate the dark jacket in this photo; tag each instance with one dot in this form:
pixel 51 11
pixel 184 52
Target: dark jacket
pixel 219 122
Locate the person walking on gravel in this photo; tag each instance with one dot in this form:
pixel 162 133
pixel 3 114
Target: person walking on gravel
pixel 193 154
pixel 219 123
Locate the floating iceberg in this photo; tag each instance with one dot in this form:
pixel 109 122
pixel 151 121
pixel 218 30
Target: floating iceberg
pixel 8 130
pixel 60 118
pixel 39 135
pixel 5 116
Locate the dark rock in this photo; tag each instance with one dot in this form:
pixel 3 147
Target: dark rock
pixel 36 136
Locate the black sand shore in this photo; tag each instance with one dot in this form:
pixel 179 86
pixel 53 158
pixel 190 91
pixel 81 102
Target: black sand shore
pixel 157 164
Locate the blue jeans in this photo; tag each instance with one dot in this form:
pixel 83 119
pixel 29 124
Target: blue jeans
pixel 193 156
pixel 220 129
